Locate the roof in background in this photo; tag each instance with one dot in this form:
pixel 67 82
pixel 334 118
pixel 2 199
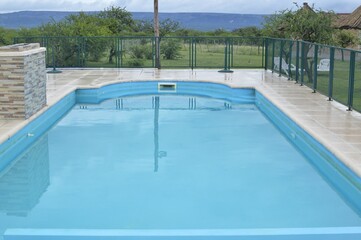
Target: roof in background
pixel 351 21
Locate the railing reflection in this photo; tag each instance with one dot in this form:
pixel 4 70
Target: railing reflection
pixel 153 102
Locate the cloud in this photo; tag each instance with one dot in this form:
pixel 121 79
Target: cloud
pixel 59 5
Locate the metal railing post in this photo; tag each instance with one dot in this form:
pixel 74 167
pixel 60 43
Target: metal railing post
pixel 121 52
pixel 303 59
pixel 227 57
pixel 84 52
pixel 195 54
pixel 330 76
pixel 273 55
pixel 190 53
pixel 280 60
pixel 315 60
pixel 297 60
pixel 54 70
pixel 153 51
pixel 351 82
pixel 290 59
pixel 265 43
pixel 231 54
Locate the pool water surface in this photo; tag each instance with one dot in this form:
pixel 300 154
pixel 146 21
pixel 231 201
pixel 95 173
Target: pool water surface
pixel 167 162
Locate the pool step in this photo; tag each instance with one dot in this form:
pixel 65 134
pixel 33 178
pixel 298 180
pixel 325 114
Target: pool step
pixel 344 233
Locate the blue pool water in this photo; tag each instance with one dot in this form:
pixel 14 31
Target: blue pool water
pixel 168 162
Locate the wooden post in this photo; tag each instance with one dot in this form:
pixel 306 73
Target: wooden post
pixel 156 34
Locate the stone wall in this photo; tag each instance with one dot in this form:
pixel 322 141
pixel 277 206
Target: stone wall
pixel 22 80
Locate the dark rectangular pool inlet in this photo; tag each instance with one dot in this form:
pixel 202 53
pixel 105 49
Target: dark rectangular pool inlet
pixel 167 87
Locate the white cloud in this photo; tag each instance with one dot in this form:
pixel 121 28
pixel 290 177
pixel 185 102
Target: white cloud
pixel 57 5
pixel 228 6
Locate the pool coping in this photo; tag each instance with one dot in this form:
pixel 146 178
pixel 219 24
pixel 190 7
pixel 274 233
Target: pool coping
pixel 343 233
pixel 265 82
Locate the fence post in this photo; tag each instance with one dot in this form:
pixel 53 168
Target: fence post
pixel 330 76
pixel 54 70
pixel 230 54
pixel 297 61
pixel 153 51
pixel 227 57
pixel 273 55
pixel 190 53
pixel 193 59
pixel 84 53
pixel 290 59
pixel 47 52
pixel 121 52
pixel 265 42
pixel 280 61
pixel 351 81
pixel 303 59
pixel 315 60
pixel 195 54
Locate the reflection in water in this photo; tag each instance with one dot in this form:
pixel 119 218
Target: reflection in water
pixel 156 130
pixel 25 180
pixel 142 103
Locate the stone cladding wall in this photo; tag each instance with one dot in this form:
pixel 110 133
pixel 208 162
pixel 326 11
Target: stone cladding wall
pixel 22 80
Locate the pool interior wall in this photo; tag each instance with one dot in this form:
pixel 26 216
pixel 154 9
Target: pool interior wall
pixel 334 171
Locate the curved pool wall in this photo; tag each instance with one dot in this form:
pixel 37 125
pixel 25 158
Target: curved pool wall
pixel 237 95
pixel 341 178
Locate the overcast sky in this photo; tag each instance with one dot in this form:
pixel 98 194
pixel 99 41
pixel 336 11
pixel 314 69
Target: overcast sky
pixel 224 6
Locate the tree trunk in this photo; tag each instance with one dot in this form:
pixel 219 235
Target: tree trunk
pixel 156 34
pixel 307 67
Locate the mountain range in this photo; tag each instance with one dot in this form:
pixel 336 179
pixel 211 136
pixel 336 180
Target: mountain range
pixel 197 21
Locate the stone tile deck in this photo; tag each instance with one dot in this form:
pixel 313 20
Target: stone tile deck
pixel 329 122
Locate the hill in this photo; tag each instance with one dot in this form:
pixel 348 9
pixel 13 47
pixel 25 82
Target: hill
pixel 197 21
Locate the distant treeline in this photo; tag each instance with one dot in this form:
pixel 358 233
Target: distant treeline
pixel 114 21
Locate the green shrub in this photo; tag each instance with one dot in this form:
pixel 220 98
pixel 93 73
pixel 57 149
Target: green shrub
pixel 141 52
pixel 170 49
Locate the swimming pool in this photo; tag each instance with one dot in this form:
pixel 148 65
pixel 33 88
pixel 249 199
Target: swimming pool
pixel 180 160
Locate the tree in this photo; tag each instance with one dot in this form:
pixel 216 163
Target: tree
pixel 171 49
pixel 166 27
pixel 67 48
pixel 6 36
pixel 345 38
pixel 248 32
pixel 118 20
pixel 305 23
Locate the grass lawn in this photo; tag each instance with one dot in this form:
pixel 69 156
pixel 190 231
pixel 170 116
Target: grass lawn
pixel 340 83
pixel 205 56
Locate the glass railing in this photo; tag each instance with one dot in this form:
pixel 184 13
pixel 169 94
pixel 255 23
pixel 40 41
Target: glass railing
pixel 139 52
pixel 331 71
